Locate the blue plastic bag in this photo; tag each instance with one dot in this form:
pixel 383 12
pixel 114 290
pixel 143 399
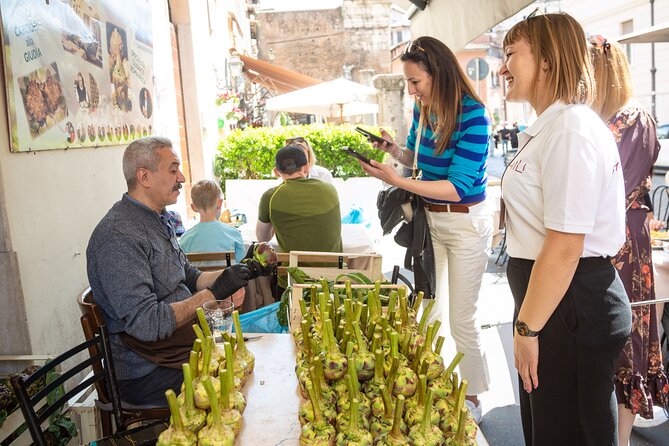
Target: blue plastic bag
pixel 262 320
pixel 355 216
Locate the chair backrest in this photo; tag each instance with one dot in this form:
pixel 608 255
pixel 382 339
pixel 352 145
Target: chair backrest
pixel 67 379
pixel 660 200
pixel 91 321
pixel 211 261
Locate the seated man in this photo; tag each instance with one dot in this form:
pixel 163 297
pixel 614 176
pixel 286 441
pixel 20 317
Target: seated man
pixel 211 235
pixel 142 281
pixel 303 212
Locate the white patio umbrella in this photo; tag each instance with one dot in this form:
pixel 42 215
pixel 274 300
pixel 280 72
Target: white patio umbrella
pixel 339 97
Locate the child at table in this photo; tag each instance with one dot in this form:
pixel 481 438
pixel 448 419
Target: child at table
pixel 210 235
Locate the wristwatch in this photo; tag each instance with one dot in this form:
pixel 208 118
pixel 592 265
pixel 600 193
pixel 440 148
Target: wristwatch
pixel 523 330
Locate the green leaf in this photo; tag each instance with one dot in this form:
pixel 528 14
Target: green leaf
pixel 358 278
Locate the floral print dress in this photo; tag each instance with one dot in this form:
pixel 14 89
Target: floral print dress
pixel 640 379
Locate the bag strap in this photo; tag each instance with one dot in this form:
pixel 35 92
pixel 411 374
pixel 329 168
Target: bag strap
pixel 419 135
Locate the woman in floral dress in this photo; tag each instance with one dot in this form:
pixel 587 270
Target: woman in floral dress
pixel 640 379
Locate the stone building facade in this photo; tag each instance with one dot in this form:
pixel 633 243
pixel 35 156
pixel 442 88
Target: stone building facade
pixel 326 44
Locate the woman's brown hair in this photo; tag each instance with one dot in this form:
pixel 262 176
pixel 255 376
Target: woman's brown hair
pixel 557 40
pixel 449 84
pixel 614 86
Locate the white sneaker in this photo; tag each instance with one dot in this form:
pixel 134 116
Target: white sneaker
pixel 659 417
pixel 475 410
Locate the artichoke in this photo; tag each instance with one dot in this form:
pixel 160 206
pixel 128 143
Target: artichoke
pixel 217 432
pixel 176 434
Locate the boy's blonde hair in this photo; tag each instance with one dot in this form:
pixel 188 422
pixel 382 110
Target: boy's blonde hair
pixel 205 194
pixel 560 41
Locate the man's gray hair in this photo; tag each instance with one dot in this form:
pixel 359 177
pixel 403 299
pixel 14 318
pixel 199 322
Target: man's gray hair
pixel 142 154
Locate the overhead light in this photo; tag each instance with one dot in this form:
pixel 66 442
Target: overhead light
pixel 420 3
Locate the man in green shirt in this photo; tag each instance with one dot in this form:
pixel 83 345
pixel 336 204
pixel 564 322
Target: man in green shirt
pixel 303 212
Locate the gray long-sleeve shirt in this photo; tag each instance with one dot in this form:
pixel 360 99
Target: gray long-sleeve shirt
pixel 136 270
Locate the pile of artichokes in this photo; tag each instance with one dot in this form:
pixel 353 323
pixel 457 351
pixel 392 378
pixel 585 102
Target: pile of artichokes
pixel 208 412
pixel 372 374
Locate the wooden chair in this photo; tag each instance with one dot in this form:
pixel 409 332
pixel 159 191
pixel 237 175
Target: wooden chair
pixel 91 320
pixel 101 375
pixel 211 261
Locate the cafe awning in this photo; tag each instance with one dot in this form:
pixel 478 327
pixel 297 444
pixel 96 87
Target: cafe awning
pixel 657 33
pixel 276 79
pixel 458 22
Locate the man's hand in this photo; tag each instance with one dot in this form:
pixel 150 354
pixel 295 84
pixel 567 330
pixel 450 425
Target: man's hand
pixel 230 280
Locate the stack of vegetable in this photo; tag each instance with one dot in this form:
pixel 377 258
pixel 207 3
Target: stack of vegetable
pixel 371 373
pixel 209 409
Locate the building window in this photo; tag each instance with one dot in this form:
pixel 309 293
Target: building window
pixel 626 28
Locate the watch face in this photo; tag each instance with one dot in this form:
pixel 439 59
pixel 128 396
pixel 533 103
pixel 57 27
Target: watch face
pixel 524 330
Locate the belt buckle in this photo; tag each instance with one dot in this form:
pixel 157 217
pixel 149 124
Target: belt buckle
pixel 448 207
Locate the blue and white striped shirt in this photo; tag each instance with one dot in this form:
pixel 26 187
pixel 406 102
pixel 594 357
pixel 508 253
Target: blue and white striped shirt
pixel 464 160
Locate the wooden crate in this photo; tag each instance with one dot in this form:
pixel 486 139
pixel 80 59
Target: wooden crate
pixel 297 289
pixel 332 264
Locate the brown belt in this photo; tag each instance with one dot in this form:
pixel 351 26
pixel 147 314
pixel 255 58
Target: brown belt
pixel 461 208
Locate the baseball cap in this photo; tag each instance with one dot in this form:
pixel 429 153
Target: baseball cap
pixel 289 159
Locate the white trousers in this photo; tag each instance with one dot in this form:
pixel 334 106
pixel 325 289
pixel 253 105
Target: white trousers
pixel 461 251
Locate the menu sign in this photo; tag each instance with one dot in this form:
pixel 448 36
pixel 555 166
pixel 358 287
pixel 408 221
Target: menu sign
pixel 79 73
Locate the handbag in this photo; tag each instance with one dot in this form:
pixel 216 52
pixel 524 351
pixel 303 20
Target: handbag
pixel 394 204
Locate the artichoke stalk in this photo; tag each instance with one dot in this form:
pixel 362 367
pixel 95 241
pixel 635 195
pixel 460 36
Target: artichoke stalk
pixel 382 422
pixel 443 386
pixel 328 393
pixel 414 414
pixel 462 437
pixel 176 434
pixel 192 417
pixel 395 437
pixel 306 413
pixel 201 398
pixel 344 402
pixel 239 365
pixel 435 362
pixel 371 387
pixel 216 354
pixel 192 362
pixel 217 432
pixel 237 400
pixel 241 350
pixel 418 336
pixel 334 363
pixel 394 352
pixel 353 435
pixel 425 434
pixel 450 423
pixel 364 361
pixel 318 432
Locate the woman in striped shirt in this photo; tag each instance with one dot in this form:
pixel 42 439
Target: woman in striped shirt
pixel 452 146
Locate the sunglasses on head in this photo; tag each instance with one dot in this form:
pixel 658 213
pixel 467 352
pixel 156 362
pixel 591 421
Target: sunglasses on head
pixel 413 47
pixel 296 139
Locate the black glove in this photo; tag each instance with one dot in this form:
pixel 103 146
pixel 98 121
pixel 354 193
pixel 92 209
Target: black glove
pixel 230 280
pixel 257 269
pixel 249 252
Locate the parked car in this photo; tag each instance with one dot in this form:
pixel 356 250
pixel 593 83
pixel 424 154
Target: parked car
pixel 662 163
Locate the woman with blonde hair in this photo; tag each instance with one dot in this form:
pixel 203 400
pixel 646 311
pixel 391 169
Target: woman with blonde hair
pixel 450 135
pixel 315 171
pixel 565 219
pixel 639 378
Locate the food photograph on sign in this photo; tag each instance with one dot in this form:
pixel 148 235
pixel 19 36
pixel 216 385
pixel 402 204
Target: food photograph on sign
pixel 43 99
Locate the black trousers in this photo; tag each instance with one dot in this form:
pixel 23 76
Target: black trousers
pixel 575 404
pixel 150 390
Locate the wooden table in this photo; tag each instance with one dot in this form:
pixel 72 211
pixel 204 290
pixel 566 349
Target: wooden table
pixel 272 395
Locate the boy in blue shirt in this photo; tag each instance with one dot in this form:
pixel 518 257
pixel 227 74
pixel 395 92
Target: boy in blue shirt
pixel 211 235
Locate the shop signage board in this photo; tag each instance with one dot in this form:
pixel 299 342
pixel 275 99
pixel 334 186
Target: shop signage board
pixel 78 73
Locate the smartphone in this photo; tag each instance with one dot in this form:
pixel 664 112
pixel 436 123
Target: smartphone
pixel 371 136
pixel 355 154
